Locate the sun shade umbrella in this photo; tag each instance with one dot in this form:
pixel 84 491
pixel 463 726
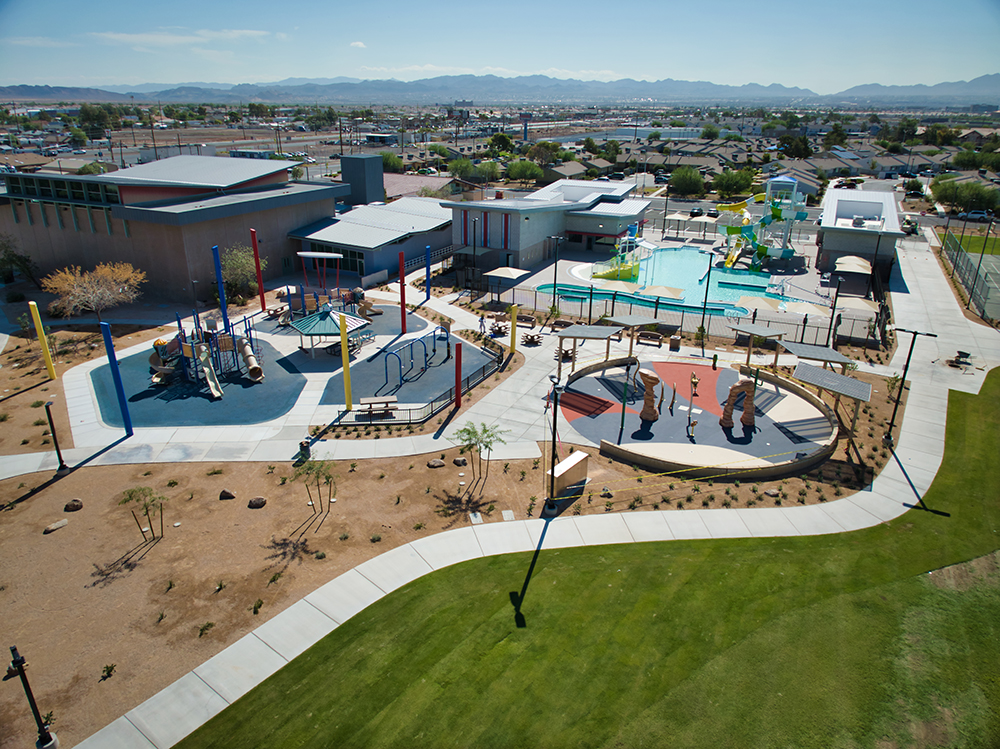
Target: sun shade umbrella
pixel 511 274
pixel 807 308
pixel 667 292
pixel 759 302
pixel 622 286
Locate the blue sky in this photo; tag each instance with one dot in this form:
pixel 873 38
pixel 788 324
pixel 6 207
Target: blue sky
pixel 823 46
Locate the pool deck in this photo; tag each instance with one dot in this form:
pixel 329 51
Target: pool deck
pixel 921 300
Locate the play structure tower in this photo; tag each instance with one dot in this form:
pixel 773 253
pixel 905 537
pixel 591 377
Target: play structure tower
pixel 783 195
pixel 783 206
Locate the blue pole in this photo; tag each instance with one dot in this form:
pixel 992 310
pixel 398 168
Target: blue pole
pixel 222 287
pixel 116 375
pixel 427 253
pixel 179 326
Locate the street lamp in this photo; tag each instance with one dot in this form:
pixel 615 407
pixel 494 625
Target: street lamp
pixel 887 439
pixel 55 440
pixel 556 390
pixel 704 304
pixel 555 266
pixel 45 737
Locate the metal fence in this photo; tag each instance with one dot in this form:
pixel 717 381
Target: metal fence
pixel 980 280
pixel 420 414
pixel 848 325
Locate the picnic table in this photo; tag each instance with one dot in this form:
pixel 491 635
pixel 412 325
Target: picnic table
pixel 531 339
pixel 379 404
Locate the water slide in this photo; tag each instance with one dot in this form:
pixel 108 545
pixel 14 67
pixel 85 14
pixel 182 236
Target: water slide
pixel 205 361
pixel 254 370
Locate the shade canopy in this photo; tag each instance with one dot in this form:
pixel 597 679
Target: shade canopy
pixel 622 286
pixel 852 264
pixel 321 255
pixel 667 292
pixel 760 331
pixel 327 323
pixel 759 302
pixel 807 308
pixel 511 274
pixel 864 305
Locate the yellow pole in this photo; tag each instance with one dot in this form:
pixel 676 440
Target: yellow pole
pixel 40 330
pixel 513 328
pixel 345 356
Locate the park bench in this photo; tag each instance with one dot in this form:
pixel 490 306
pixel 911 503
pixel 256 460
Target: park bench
pixel 571 472
pixel 560 324
pixel 650 336
pixel 528 320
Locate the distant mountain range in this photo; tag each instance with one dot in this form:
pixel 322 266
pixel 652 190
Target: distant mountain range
pixel 488 90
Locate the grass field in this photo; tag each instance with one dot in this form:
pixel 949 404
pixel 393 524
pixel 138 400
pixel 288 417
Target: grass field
pixel 974 244
pixel 826 641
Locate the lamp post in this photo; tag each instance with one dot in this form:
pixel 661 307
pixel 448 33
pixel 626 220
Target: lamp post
pixel 45 737
pixel 555 266
pixel 556 390
pixel 887 439
pixel 704 304
pixel 666 201
pixel 475 222
pixel 833 310
pixel 55 440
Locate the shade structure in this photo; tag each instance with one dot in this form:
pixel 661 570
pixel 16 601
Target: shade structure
pixel 511 274
pixel 852 302
pixel 667 292
pixel 326 323
pixel 807 308
pixel 852 264
pixel 622 286
pixel 759 302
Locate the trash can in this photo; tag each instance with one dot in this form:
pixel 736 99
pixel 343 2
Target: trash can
pixel 675 343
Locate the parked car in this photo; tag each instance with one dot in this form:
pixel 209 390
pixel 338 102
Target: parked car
pixel 661 179
pixel 617 175
pixel 915 195
pixel 975 216
pixel 713 213
pixel 695 212
pixel 80 150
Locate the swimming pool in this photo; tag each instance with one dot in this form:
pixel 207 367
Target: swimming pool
pixel 583 294
pixel 686 268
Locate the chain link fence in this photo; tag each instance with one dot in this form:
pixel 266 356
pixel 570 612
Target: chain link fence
pixel 978 274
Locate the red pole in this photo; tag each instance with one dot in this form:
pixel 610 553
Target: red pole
pixel 260 278
pixel 402 293
pixel 458 374
pixel 306 274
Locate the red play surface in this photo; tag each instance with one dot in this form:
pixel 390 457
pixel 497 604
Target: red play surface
pixel 679 374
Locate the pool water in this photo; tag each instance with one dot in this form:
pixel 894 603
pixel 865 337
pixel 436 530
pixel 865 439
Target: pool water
pixel 686 267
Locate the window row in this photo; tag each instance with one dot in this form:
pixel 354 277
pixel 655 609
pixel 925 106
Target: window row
pixel 26 186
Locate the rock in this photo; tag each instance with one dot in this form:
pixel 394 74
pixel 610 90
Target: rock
pixel 436 463
pixel 256 503
pixel 772 492
pixel 460 462
pixel 226 494
pixel 73 505
pixel 56 526
pixel 607 493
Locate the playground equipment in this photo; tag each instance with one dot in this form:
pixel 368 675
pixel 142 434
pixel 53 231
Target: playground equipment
pixel 408 348
pixel 205 362
pixel 254 370
pixel 649 382
pixel 629 253
pixel 784 206
pixel 367 310
pixel 746 386
pixel 164 352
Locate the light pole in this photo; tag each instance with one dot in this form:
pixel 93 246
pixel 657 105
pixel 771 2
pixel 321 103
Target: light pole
pixel 556 390
pixel 833 310
pixel 887 439
pixel 475 222
pixel 55 440
pixel 555 266
pixel 666 201
pixel 45 737
pixel 704 304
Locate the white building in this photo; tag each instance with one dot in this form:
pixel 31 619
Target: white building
pixel 858 222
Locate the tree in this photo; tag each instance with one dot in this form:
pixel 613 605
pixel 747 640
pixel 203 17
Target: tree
pixel 836 137
pixel 92 168
pixel 481 439
pixel 502 142
pixel 239 271
pixel 945 190
pixel 655 135
pixel 611 150
pixel 913 185
pixel 391 162
pixel 966 160
pixel 461 168
pixel 544 152
pixel 590 146
pixel 488 171
pixel 686 181
pixel 11 260
pixel 524 171
pixel 77 137
pixel 733 182
pixel 795 147
pixel 438 149
pixel 108 285
pixel 318 473
pixel 149 503
pixel 709 132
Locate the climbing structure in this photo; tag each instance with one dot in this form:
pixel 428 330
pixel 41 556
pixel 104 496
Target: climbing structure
pixel 768 237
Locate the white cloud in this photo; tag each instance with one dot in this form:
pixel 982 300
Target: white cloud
pixel 36 41
pixel 148 40
pixel 359 45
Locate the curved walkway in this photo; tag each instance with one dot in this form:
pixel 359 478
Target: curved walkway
pixel 921 300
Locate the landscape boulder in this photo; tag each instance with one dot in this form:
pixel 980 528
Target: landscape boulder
pixel 73 505
pixel 771 492
pixel 460 461
pixel 55 526
pixel 226 494
pixel 435 463
pixel 256 503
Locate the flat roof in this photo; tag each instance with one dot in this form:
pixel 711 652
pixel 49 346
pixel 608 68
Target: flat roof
pixel 760 331
pixel 875 209
pixel 372 226
pixel 631 321
pixel 816 353
pixel 835 383
pixel 588 332
pixel 197 171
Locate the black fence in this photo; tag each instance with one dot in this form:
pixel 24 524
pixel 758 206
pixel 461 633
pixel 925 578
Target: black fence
pixel 979 280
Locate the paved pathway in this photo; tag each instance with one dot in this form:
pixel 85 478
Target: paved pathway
pixel 921 300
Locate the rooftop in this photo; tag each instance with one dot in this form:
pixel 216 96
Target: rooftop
pixel 373 226
pixel 197 171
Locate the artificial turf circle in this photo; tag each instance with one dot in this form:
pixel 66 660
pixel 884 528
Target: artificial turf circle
pixel 807 642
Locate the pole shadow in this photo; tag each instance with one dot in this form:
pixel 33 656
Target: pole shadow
pixel 517 599
pixel 919 505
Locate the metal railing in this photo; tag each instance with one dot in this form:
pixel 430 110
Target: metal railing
pixel 979 280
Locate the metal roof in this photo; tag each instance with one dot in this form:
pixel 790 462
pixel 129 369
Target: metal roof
pixel 197 171
pixel 816 353
pixel 588 332
pixel 327 323
pixel 760 331
pixel 373 226
pixel 629 207
pixel 835 383
pixel 631 321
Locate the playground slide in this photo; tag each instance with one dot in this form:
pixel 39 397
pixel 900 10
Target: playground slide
pixel 205 360
pixel 254 370
pixel 367 310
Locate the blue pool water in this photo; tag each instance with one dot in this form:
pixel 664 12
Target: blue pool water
pixel 685 268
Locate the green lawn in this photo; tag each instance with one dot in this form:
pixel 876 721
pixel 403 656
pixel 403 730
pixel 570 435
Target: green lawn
pixel 974 244
pixel 829 641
